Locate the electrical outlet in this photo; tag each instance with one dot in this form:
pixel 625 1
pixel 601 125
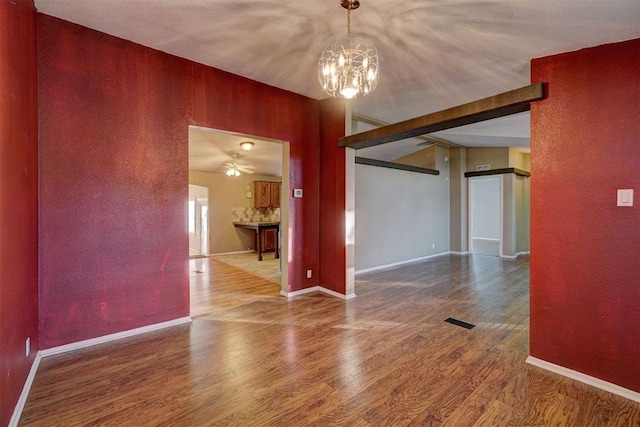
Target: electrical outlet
pixel 27 347
pixel 433 246
pixel 308 274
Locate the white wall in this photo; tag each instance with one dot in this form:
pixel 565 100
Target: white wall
pixel 399 215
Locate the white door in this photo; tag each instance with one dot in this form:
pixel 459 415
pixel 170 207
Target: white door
pixel 204 229
pixel 485 218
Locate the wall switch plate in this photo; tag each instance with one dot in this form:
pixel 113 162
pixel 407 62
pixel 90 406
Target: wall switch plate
pixel 297 193
pixel 625 197
pixel 248 194
pixel 308 274
pixel 27 347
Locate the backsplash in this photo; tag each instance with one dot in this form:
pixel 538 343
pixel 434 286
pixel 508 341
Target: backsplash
pixel 255 214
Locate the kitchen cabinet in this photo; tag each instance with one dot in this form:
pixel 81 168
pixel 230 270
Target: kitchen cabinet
pixel 266 194
pixel 268 240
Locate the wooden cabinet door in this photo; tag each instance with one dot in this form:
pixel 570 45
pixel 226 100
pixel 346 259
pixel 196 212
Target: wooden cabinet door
pixel 262 194
pixel 268 240
pixel 275 194
pixel 266 194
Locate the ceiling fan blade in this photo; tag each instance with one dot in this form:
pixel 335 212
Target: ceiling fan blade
pixel 246 169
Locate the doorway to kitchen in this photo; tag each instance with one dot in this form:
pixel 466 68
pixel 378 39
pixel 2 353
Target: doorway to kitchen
pixel 233 168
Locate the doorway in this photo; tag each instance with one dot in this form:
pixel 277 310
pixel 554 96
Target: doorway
pixel 485 215
pixel 231 198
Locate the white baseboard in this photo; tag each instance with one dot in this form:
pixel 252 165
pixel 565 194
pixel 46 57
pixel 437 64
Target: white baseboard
pixel 317 289
pixel 460 253
pixel 17 411
pixel 232 253
pixel 112 337
pixel 399 263
pixel 300 292
pixel 336 294
pixel 514 256
pixel 584 378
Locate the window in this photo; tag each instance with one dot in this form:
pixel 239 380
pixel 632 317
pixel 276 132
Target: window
pixel 192 217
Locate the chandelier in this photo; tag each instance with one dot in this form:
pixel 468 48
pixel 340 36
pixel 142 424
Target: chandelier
pixel 348 67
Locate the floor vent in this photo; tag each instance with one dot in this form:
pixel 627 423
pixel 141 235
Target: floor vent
pixel 459 323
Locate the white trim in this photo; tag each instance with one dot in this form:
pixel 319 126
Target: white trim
pixel 17 411
pixel 112 337
pixel 232 253
pixel 511 257
pixel 399 263
pixel 300 292
pixel 460 253
pixel 336 294
pixel 584 378
pixel 317 289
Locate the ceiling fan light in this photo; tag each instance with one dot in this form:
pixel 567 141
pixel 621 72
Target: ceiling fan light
pixel 246 145
pixel 232 172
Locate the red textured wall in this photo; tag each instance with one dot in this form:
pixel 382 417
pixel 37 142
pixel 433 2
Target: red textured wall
pixel 332 196
pixel 228 102
pixel 585 262
pixel 114 122
pixel 18 200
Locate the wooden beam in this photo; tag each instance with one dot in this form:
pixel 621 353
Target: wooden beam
pixel 518 172
pixel 392 165
pixel 504 104
pixel 361 118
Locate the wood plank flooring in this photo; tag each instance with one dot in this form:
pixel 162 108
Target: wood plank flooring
pixel 385 358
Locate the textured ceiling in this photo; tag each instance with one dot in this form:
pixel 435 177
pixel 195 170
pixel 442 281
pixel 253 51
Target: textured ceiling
pixel 434 54
pixel 210 150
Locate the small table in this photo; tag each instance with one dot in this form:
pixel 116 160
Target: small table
pixel 258 227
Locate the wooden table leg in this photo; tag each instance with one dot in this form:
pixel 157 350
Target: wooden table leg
pixel 259 244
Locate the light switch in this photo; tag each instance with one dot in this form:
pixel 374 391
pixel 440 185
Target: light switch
pixel 625 197
pixel 297 193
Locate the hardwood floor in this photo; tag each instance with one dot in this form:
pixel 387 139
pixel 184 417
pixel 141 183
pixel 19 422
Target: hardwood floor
pixel 253 358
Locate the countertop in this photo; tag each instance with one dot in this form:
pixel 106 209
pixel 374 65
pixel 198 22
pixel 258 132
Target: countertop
pixel 256 224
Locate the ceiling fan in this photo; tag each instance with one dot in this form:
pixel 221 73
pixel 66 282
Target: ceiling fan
pixel 233 168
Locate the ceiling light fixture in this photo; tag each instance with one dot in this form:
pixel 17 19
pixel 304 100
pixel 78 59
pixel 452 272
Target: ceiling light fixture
pixel 232 172
pixel 246 145
pixel 348 67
